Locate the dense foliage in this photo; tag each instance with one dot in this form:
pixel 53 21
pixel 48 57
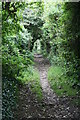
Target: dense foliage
pixel 19 23
pixel 32 21
pixel 56 26
pixel 61 35
pixel 72 36
pixel 16 56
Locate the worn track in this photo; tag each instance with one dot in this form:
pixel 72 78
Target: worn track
pixel 51 106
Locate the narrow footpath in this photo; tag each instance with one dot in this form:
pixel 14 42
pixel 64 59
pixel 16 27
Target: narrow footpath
pixel 43 65
pixel 51 106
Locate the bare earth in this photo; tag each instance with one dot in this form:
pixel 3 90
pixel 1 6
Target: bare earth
pixel 51 106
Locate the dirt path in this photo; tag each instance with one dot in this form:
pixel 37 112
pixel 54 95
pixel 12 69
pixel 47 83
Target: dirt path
pixel 42 66
pixel 51 107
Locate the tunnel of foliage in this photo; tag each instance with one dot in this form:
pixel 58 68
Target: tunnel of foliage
pixel 55 25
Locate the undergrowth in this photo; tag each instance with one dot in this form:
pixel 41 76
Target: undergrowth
pixel 31 76
pixel 60 83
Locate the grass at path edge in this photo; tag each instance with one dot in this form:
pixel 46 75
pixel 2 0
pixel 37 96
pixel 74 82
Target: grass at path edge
pixel 32 77
pixel 61 84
